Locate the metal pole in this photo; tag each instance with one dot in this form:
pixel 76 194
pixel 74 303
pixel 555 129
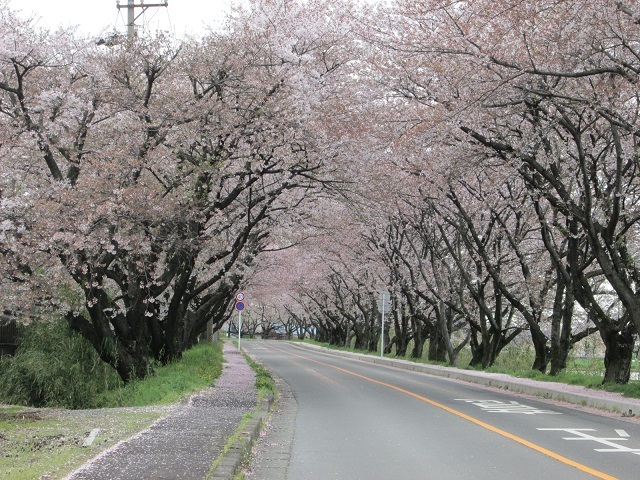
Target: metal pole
pixel 382 335
pixel 131 19
pixel 239 327
pixel 131 13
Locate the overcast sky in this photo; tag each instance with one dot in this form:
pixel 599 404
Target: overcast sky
pixel 92 16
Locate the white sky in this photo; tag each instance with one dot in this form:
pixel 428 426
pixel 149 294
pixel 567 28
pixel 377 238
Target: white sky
pixel 93 16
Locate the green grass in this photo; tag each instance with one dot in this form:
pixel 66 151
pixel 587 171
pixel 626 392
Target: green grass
pixel 54 367
pixel 230 443
pixel 198 368
pixel 39 442
pixel 48 443
pixel 264 381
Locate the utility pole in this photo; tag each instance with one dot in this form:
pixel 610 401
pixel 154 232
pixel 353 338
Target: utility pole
pixel 131 16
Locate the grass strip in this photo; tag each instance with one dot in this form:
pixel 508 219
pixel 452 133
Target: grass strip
pixel 266 388
pixel 197 369
pixel 47 443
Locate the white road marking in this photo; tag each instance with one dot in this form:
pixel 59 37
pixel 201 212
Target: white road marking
pixel 496 406
pixel 615 448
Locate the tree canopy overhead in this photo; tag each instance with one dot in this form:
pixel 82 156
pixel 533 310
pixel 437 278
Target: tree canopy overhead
pixel 478 160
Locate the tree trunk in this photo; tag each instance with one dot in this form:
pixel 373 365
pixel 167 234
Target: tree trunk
pixel 401 338
pixel 618 354
pixel 437 350
pixel 444 324
pixel 477 347
pixel 561 327
pixel 541 350
pixel 418 344
pixel 494 343
pixel 485 351
pixel 374 338
pixel 358 332
pixel 401 346
pixel 388 341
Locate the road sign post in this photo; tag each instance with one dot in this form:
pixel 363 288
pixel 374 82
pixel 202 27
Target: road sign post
pixel 384 300
pixel 239 308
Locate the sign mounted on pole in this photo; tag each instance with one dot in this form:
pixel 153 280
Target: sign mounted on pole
pixel 239 308
pixel 385 304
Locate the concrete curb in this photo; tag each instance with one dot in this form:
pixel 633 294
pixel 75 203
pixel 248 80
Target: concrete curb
pixel 241 449
pixel 548 390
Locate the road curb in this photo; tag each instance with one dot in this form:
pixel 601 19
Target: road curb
pixel 241 448
pixel 550 391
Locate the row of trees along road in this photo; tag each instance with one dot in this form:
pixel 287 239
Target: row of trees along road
pixel 477 160
pixel 140 179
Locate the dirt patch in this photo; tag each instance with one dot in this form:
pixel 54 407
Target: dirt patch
pixel 49 443
pixel 24 416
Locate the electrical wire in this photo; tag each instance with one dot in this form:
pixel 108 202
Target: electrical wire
pixel 118 15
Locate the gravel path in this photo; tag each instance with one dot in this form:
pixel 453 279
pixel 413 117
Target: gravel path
pixel 184 444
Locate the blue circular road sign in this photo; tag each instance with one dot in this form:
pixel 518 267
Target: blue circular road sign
pixel 239 305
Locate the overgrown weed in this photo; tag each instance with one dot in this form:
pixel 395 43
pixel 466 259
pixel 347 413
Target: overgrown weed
pixel 264 381
pixel 54 367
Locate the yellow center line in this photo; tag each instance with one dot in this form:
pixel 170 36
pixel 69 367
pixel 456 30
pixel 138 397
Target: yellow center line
pixel 482 424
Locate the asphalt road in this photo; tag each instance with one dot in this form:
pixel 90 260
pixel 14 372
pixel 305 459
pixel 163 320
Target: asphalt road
pixel 354 420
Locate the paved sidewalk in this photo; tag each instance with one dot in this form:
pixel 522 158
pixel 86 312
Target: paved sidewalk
pixel 185 444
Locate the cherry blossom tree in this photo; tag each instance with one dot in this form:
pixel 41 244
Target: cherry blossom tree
pixel 477 160
pixel 546 89
pixel 157 170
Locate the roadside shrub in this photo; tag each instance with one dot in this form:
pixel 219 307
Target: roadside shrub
pixel 54 367
pixel 514 358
